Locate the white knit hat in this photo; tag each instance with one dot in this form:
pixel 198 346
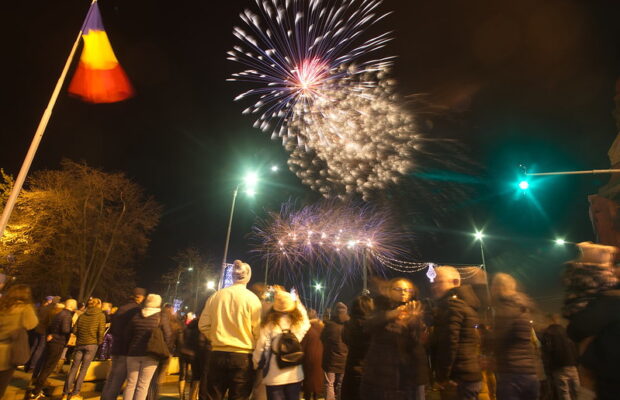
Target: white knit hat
pixel 152 301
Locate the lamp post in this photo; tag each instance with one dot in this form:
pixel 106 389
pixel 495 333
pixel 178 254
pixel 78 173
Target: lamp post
pixel 479 235
pixel 176 287
pixel 319 288
pixel 250 182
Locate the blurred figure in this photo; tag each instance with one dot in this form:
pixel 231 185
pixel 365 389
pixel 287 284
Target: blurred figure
pixel 395 364
pixel 231 322
pixel 57 337
pixel 592 307
pixel 191 347
pixel 357 340
pixel 560 358
pixel 334 351
pixel 118 351
pixel 313 358
pixel 141 367
pixel 170 318
pixel 515 357
pixel 16 312
pixel 285 314
pixel 455 342
pixel 40 333
pixel 89 330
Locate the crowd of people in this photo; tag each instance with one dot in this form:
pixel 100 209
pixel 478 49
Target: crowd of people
pixel 262 343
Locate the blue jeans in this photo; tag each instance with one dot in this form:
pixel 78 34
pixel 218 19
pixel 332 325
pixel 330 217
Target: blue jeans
pixel 82 356
pixel 566 383
pixel 284 392
pixel 115 379
pixel 517 387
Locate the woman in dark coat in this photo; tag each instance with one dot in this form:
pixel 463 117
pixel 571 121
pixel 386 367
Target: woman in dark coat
pixel 313 358
pixel 395 366
pixel 357 340
pixel 515 356
pixel 334 352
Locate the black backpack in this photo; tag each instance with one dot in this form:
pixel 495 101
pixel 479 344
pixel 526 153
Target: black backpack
pixel 288 353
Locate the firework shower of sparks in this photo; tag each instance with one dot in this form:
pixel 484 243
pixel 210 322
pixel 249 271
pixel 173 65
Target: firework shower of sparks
pixel 327 243
pixel 326 232
pixel 299 52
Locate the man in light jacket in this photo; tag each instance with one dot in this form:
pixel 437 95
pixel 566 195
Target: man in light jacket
pixel 231 321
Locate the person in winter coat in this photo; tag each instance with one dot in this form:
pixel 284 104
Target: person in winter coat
pixel 515 357
pixel 58 333
pixel 394 368
pixel 118 323
pixel 455 343
pixel 560 359
pixel 176 330
pixel 596 330
pixel 334 351
pixel 286 314
pixel 140 365
pixel 16 312
pixel 190 347
pixel 313 358
pixel 89 330
pixel 357 340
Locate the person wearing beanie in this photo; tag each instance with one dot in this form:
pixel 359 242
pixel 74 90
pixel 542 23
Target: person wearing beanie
pixel 118 351
pixel 58 334
pixel 140 365
pixel 89 330
pixel 334 351
pixel 231 322
pixel 286 313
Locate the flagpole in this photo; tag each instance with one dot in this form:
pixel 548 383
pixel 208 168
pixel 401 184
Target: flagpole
pixel 34 145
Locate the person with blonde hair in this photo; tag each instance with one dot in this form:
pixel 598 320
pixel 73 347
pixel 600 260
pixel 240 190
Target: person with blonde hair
pixel 515 355
pixel 16 312
pixel 89 330
pixel 287 313
pixel 455 342
pixel 395 365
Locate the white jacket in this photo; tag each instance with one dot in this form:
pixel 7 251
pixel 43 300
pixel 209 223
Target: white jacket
pixel 270 332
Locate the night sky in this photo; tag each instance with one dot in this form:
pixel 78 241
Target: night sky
pixel 528 81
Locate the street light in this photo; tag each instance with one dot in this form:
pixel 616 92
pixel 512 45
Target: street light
pixel 560 242
pixel 250 181
pixel 524 185
pixel 176 287
pixel 210 285
pixel 319 288
pixel 479 235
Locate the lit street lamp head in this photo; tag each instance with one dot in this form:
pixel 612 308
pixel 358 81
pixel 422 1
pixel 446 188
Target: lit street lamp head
pixel 560 242
pixel 478 235
pixel 318 286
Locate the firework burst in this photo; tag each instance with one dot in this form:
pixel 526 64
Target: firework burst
pixel 302 51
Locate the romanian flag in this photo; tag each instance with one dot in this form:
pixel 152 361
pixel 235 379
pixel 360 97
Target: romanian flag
pixel 99 77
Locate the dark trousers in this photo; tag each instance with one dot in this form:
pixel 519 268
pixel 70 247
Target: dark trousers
pixel 82 357
pixel 204 369
pixel 230 372
pixel 53 351
pixel 284 392
pixel 351 385
pixel 517 387
pixel 36 352
pixel 5 379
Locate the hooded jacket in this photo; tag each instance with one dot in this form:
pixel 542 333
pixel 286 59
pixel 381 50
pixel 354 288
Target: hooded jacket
pixel 514 349
pixel 334 349
pixel 455 342
pixel 90 327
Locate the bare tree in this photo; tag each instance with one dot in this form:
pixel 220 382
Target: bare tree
pixel 79 230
